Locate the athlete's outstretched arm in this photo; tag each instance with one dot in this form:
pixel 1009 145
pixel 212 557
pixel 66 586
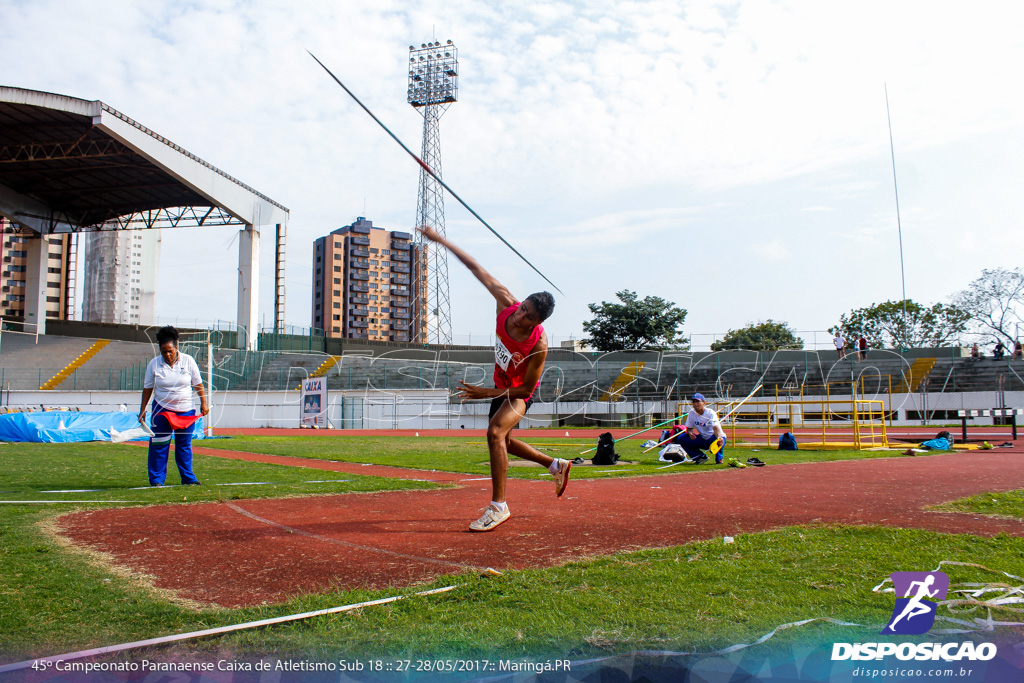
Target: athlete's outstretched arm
pixel 497 290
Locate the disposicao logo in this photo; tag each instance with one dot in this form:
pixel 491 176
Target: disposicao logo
pixel 914 613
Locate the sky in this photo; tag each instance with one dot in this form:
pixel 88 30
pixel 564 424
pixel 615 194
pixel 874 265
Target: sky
pixel 731 157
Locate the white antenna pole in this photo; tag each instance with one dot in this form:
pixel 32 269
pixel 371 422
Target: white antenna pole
pixel 899 226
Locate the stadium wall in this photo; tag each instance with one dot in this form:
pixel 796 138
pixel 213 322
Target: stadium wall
pixel 432 409
pixel 229 339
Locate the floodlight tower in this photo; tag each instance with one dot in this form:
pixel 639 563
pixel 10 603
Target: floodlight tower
pixel 433 86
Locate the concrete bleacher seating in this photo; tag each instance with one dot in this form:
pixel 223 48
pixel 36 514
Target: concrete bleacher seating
pixel 580 380
pixel 26 361
pixel 103 370
pixel 985 374
pixel 287 370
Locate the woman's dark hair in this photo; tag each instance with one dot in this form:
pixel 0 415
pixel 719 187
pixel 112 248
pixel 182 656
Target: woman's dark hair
pixel 166 334
pixel 543 304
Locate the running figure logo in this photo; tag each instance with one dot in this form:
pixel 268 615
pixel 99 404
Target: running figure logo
pixel 914 613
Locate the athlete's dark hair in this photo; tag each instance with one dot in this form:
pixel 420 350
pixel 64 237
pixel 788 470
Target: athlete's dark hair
pixel 166 334
pixel 543 303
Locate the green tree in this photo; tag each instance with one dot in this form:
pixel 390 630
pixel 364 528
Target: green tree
pixel 762 336
pixel 995 301
pixel 885 326
pixel 650 323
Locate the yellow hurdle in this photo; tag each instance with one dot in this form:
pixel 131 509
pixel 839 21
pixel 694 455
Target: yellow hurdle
pixel 843 422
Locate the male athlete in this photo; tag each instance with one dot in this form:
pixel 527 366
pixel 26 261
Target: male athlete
pixel 703 430
pixel 519 354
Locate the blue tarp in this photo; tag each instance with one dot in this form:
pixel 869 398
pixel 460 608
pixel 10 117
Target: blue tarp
pixel 66 427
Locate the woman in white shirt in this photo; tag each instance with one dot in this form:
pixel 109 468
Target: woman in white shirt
pixel 170 379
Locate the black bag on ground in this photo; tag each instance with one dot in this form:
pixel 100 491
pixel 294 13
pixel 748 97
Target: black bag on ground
pixel 787 442
pixel 606 454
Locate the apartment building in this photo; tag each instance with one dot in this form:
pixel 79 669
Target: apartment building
pixel 370 283
pixel 60 262
pixel 121 268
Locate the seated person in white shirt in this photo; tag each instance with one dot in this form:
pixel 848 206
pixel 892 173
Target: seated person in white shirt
pixel 703 429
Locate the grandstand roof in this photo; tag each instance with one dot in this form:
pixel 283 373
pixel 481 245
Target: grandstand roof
pixel 72 164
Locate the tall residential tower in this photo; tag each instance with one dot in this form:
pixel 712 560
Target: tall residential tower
pixel 60 266
pixel 120 277
pixel 366 281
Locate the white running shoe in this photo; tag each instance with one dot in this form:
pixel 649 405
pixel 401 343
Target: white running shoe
pixel 491 518
pixel 562 476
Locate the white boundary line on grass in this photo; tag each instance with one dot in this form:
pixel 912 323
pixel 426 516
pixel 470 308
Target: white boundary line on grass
pixel 22 502
pixel 169 486
pixel 213 631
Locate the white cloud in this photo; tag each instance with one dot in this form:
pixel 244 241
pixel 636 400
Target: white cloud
pixel 772 251
pixel 968 241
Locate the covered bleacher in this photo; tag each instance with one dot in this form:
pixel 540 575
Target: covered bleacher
pixel 73 165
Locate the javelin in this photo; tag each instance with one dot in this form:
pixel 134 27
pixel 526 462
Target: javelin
pixel 736 407
pixel 433 175
pixel 108 649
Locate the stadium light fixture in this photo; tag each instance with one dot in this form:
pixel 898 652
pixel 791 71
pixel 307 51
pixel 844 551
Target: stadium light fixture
pixel 435 78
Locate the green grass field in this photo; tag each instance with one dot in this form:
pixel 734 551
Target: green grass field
pixel 1009 504
pixel 108 472
pixel 469 455
pixel 698 596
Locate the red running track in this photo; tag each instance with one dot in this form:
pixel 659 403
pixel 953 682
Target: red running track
pixel 254 551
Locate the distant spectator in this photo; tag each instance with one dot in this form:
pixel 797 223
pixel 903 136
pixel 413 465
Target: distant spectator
pixel 840 345
pixel 1018 350
pixel 862 347
pixel 998 350
pixel 975 353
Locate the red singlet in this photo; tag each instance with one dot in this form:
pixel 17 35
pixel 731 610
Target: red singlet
pixel 510 356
